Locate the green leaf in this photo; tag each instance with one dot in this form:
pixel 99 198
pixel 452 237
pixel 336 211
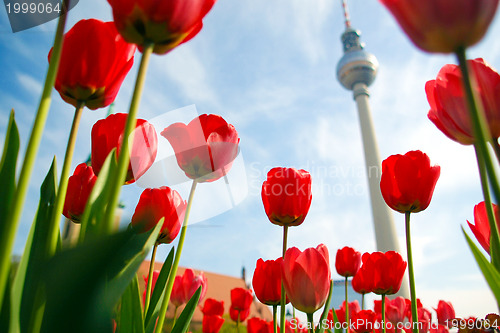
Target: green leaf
pixel 18 283
pixel 98 199
pixel 8 170
pixel 129 272
pixel 182 324
pixel 5 312
pixel 157 296
pixel 32 299
pixel 150 325
pixel 83 284
pixel 336 320
pixel 490 273
pixel 8 187
pixel 495 251
pixel 321 327
pixel 131 320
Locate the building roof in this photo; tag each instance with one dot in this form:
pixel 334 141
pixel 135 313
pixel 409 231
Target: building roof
pixel 219 287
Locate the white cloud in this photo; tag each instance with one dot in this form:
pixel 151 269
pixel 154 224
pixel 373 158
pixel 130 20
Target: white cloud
pixel 475 301
pixel 30 84
pixel 309 19
pixel 188 71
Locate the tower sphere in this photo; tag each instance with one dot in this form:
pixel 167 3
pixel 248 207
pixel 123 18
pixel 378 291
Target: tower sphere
pixel 357 66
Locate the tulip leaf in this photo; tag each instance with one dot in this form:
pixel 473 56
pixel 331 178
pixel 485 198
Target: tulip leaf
pixel 321 327
pixel 18 283
pixel 98 199
pixel 32 300
pixel 489 271
pixel 8 171
pixel 182 324
pixel 150 326
pixel 495 251
pixel 131 310
pixel 83 284
pixel 157 296
pixel 6 311
pixel 8 188
pixel 337 329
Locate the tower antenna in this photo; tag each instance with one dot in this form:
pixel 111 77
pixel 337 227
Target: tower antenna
pixel 347 18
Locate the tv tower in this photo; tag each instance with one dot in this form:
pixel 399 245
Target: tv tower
pixel 356 70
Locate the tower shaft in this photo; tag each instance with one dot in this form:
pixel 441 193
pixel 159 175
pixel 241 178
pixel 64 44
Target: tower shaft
pixel 356 70
pixel 383 222
pixel 385 232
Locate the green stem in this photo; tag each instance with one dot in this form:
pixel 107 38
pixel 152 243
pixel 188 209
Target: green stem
pixel 414 314
pixel 53 231
pixel 283 293
pixel 150 279
pixel 494 234
pixel 238 323
pixel 310 319
pixel 293 314
pixel 346 304
pixel 383 313
pixel 496 148
pixel 362 301
pixel 275 317
pixel 127 138
pixel 173 272
pixel 12 221
pixel 175 317
pixel 479 126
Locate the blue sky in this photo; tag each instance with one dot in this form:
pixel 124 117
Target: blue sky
pixel 268 67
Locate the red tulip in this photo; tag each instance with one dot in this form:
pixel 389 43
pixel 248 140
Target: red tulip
pixel 185 286
pixel 408 181
pixel 395 310
pixel 481 226
pixel 424 319
pixel 213 307
pixel 166 24
pixel 408 307
pixel 241 298
pixel 347 261
pixel 212 323
pixel 178 297
pixel 362 282
pixel 80 185
pixel 153 284
pixel 340 312
pixel 449 110
pixel 238 315
pixel 257 325
pixel 364 321
pixel 267 281
pixel 287 196
pixel 306 277
pixel 158 203
pixel 445 313
pixel 205 148
pixel 94 63
pixel 386 270
pixel 443 25
pixel 108 134
pixel 439 329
